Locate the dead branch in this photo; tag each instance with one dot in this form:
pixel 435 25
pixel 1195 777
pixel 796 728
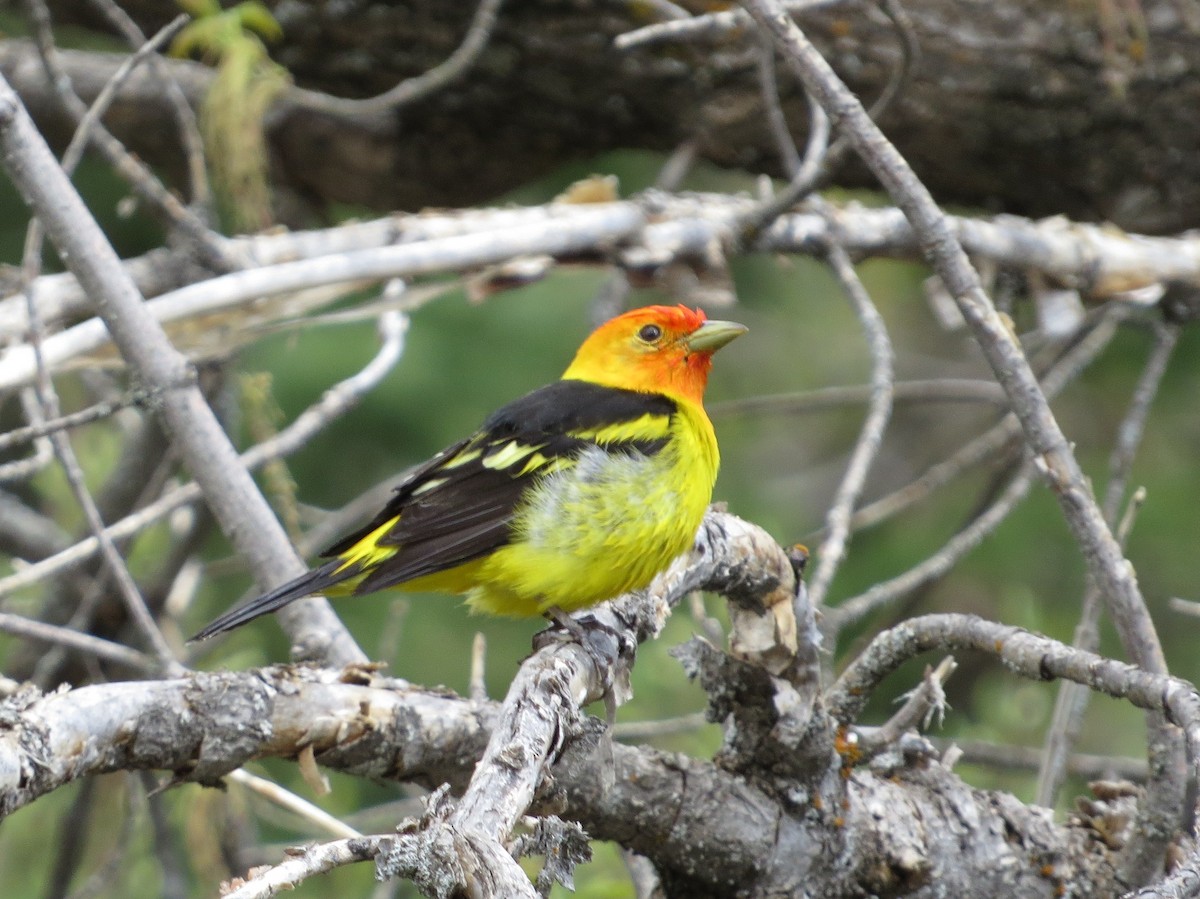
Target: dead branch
pixel 997 86
pixel 654 232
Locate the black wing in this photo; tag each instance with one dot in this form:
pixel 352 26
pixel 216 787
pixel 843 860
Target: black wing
pixel 458 506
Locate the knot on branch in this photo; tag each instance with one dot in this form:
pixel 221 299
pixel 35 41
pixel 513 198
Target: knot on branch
pixel 446 857
pixel 564 845
pixel 770 725
pixel 430 852
pixel 746 565
pixel 230 725
pixel 1109 813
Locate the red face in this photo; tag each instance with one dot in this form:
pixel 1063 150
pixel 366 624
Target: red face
pixel 647 349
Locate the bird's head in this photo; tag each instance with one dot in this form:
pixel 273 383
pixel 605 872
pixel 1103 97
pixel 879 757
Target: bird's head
pixel 656 349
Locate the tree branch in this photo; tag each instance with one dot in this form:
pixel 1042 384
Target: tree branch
pixel 235 500
pixel 1094 259
pixel 1052 452
pixel 1000 117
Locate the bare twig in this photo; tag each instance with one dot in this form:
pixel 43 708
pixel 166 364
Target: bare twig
pixel 1133 425
pixel 333 403
pixel 71 420
pixel 297 805
pixel 168 841
pixel 424 85
pixel 229 489
pixel 477 682
pixel 711 26
pixel 709 626
pixel 135 604
pixel 1029 758
pixel 85 643
pixel 878 596
pixel 89 122
pixel 789 156
pixel 316 859
pixel 189 128
pixel 1071 703
pixel 23 469
pixel 807 174
pixel 662 727
pixel 1183 606
pixel 821 399
pixel 866 448
pixel 922 705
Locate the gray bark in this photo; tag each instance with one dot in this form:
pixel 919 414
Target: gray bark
pixel 710 832
pixel 1025 106
pixel 788 805
pixel 1020 92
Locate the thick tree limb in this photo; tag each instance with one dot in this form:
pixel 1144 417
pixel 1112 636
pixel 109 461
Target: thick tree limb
pixel 902 824
pixel 1031 106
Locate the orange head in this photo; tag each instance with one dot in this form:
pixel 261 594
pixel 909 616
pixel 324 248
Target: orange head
pixel 656 349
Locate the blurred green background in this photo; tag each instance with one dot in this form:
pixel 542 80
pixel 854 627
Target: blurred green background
pixel 780 471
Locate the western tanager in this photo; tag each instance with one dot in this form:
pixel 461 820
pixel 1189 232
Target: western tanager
pixel 573 494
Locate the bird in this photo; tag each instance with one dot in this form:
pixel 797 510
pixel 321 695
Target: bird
pixel 575 493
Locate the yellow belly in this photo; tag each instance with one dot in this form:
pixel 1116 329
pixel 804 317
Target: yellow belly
pixel 606 526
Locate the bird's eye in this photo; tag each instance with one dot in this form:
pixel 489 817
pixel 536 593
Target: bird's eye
pixel 650 333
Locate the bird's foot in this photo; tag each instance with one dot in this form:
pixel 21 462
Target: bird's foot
pixel 608 645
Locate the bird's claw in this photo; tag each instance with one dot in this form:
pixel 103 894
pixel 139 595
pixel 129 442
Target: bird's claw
pixel 606 644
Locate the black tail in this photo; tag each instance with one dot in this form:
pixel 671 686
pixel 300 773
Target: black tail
pixel 311 582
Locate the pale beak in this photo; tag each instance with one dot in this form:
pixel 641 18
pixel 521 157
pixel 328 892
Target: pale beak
pixel 711 336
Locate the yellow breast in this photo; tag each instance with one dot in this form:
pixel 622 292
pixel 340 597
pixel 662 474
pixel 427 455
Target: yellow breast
pixel 604 526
